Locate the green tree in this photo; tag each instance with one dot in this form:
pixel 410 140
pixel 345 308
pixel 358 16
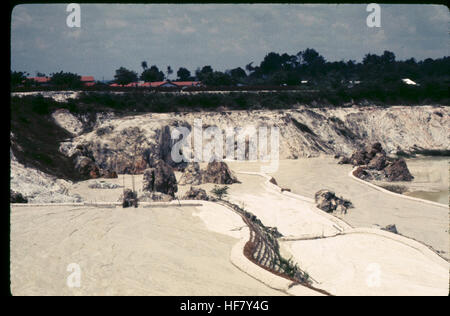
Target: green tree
pixel 237 73
pixel 388 57
pixel 183 74
pixel 124 76
pixel 18 78
pixel 272 62
pixel 152 74
pixel 66 79
pixel 249 67
pixel 217 78
pixel 201 74
pixel 169 71
pixel 311 57
pixel 220 192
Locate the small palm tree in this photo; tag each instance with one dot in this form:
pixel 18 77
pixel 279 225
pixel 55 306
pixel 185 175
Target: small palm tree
pixel 220 192
pixel 169 71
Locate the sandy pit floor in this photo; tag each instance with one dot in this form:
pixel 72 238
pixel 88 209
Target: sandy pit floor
pixel 364 264
pixel 431 179
pixel 142 251
pixel 186 250
pixel 372 208
pixel 293 218
pixel 348 264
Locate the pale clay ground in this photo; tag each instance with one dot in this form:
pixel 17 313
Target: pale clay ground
pixel 167 251
pixel 143 251
pixel 424 222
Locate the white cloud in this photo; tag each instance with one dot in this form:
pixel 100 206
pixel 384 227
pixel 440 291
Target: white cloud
pixel 223 35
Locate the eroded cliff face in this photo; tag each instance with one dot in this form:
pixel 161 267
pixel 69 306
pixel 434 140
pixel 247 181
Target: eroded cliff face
pixel 37 186
pixel 132 144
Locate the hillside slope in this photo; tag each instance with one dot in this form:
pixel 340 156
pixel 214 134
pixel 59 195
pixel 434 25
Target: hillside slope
pixel 132 143
pixel 51 134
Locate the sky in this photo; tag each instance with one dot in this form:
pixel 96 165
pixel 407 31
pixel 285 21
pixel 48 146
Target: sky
pixel 224 36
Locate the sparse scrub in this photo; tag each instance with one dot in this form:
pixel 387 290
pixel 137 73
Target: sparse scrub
pixel 400 189
pixel 220 192
pixel 269 236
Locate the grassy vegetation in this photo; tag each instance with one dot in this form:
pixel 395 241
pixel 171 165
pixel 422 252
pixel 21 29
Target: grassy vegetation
pixel 142 101
pixel 364 94
pixel 36 138
pixel 400 189
pixel 220 192
pixel 270 234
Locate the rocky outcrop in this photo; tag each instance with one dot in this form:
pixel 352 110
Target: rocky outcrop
pixel 362 173
pixel 273 181
pixel 378 162
pixel 154 197
pixel 373 163
pixel 196 194
pixel 87 167
pixel 132 144
pixel 123 146
pixel 108 174
pixel 39 187
pixel 160 178
pixel 398 171
pixel 68 121
pixel 218 172
pixel 365 156
pixel 191 175
pixel 17 197
pixel 391 228
pixel 328 201
pixel 129 198
pixel 103 185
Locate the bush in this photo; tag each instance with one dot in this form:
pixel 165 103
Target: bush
pixel 220 192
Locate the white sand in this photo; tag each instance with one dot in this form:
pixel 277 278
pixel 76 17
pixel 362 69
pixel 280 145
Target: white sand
pixel 186 251
pixel 293 218
pixel 143 251
pixel 372 208
pixel 363 264
pixel 346 264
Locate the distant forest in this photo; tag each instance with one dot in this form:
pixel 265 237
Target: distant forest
pixel 306 68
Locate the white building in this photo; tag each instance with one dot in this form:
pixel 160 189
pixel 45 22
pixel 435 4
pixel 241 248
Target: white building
pixel 410 82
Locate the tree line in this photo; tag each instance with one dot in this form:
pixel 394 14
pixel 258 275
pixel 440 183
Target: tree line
pixel 307 66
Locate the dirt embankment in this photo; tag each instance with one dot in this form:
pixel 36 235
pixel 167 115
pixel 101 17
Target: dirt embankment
pixel 113 143
pixel 52 140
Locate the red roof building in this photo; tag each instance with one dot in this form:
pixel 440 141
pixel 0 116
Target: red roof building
pixel 88 80
pixel 156 84
pixel 39 79
pixel 186 83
